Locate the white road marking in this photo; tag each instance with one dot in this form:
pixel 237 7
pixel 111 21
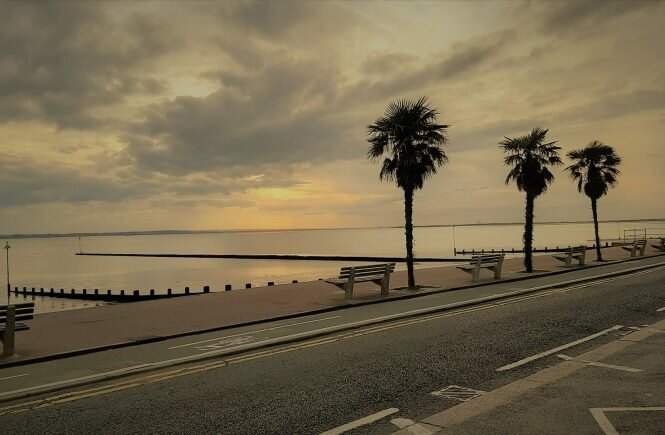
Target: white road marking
pixel 463 394
pixel 361 422
pixel 413 427
pixel 599 364
pixel 253 332
pixel 660 310
pixel 604 422
pixel 226 342
pixel 15 376
pixel 557 349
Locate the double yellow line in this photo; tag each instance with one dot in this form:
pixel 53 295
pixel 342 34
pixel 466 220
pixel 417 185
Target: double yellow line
pixel 189 370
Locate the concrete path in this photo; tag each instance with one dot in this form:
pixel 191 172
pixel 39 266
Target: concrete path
pixel 65 333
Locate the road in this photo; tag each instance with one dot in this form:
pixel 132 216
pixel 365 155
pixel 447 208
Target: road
pixel 326 382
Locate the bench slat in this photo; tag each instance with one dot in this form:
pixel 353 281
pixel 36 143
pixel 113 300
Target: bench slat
pixel 20 310
pixel 21 305
pixel 368 267
pixel 3 318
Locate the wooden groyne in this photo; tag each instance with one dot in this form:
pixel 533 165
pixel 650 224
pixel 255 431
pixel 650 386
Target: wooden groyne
pixel 122 295
pixel 519 251
pixel 278 257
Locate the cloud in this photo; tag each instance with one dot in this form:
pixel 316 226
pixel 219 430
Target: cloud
pixel 62 61
pixel 466 57
pixel 25 182
pixel 283 114
pixel 586 15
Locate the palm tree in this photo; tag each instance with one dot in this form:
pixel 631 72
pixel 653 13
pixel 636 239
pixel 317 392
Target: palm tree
pixel 409 140
pixel 595 170
pixel 529 156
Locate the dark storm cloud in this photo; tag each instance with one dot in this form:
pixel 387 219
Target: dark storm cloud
pixel 584 15
pixel 60 61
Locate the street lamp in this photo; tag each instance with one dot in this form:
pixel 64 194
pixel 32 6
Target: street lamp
pixel 9 287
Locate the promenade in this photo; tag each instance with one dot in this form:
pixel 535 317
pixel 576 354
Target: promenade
pixel 65 333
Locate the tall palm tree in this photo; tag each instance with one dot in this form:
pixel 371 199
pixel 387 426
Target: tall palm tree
pixel 595 170
pixel 409 140
pixel 529 156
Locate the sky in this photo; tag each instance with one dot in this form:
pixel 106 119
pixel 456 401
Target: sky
pixel 128 116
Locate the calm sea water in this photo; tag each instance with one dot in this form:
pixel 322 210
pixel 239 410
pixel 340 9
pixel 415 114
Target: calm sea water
pixel 50 262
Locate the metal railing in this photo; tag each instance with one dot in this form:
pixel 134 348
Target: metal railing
pixel 643 233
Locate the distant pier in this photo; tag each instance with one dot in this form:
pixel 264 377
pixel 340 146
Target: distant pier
pixel 279 257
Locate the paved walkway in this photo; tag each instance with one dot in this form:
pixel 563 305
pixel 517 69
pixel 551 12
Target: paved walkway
pixel 121 324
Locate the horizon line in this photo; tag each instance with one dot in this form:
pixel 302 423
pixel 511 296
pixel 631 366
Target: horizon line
pixel 266 230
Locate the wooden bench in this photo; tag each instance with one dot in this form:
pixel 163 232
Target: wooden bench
pixel 575 253
pixel 492 262
pixel 376 273
pixel 638 246
pixel 9 315
pixel 661 246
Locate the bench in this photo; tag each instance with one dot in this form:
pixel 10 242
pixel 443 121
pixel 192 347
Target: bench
pixel 637 246
pixel 575 253
pixel 492 262
pixel 661 246
pixel 9 315
pixel 376 273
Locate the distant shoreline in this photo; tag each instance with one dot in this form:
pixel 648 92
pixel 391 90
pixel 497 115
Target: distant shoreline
pixel 179 232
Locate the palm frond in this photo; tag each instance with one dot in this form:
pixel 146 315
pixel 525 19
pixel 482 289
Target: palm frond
pixel 409 138
pixel 594 168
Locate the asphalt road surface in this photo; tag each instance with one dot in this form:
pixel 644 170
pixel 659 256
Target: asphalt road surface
pixel 314 386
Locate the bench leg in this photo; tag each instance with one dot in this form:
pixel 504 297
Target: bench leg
pixel 385 284
pixel 8 336
pixel 348 289
pixel 475 274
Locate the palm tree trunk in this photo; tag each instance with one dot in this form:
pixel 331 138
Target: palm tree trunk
pixel 408 232
pixel 528 233
pixel 594 209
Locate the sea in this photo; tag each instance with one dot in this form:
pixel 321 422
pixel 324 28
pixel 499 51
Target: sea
pixel 51 262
